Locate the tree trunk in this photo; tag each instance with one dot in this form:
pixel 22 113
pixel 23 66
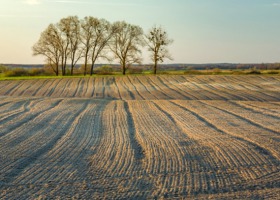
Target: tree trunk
pixel 155 67
pixel 85 69
pixel 123 69
pixel 72 68
pixel 56 72
pixel 91 69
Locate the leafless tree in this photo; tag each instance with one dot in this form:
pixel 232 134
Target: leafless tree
pixel 125 44
pixel 49 45
pixel 157 40
pixel 103 31
pixel 88 29
pixel 70 30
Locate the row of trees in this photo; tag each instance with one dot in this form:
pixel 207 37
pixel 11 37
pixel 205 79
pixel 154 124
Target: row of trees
pixel 72 40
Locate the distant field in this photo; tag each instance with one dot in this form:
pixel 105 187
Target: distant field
pixel 140 137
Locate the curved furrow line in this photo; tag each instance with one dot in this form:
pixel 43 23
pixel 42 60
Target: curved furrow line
pixel 86 87
pixel 45 88
pixel 13 111
pixel 176 84
pixel 236 127
pixel 227 85
pixel 159 138
pixel 52 89
pixel 266 108
pixel 130 91
pixel 175 94
pixel 201 152
pixel 73 87
pixel 82 87
pixel 116 89
pixel 190 84
pixel 58 88
pixel 253 84
pixel 154 88
pixel 130 80
pixel 152 81
pixel 115 156
pixel 146 89
pixel 254 119
pixel 5 85
pixel 268 93
pixel 123 90
pixel 25 157
pixel 37 89
pixel 9 104
pixel 90 88
pixel 213 120
pixel 98 88
pixel 65 88
pixel 110 92
pixel 12 133
pixel 135 95
pixel 17 138
pixel 14 122
pixel 261 119
pixel 27 85
pixel 15 88
pixel 52 143
pixel 212 87
pixel 34 87
pixel 77 86
pixel 68 154
pixel 143 91
pixel 207 136
pixel 220 89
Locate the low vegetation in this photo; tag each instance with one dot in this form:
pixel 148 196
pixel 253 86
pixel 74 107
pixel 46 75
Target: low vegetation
pixel 46 72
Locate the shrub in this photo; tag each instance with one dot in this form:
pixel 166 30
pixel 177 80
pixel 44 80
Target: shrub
pixel 135 70
pixel 273 72
pixel 37 72
pixel 16 72
pixel 216 71
pixel 3 69
pixel 196 72
pixel 104 70
pixel 253 71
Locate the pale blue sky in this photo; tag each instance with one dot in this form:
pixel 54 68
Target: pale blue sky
pixel 204 31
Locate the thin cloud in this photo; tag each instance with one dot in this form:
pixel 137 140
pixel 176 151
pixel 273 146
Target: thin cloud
pixel 32 2
pixel 276 4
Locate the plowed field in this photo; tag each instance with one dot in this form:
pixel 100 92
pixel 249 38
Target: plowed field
pixel 140 137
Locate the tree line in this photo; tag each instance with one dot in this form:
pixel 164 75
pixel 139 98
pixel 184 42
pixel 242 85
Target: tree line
pixel 74 40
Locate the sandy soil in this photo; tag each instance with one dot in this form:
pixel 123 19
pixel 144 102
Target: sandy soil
pixel 141 137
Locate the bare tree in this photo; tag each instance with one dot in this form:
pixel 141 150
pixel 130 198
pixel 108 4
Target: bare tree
pixel 87 25
pixel 126 43
pixel 48 45
pixel 103 31
pixel 157 40
pixel 70 30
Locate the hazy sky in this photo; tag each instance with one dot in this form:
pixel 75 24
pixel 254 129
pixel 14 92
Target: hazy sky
pixel 204 31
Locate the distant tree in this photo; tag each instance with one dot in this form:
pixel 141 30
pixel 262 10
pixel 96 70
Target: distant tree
pixel 103 31
pixel 157 40
pixel 49 45
pixel 70 30
pixel 125 44
pixel 88 29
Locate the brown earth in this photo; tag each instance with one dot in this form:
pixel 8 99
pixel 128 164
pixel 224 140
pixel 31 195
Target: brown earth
pixel 141 137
